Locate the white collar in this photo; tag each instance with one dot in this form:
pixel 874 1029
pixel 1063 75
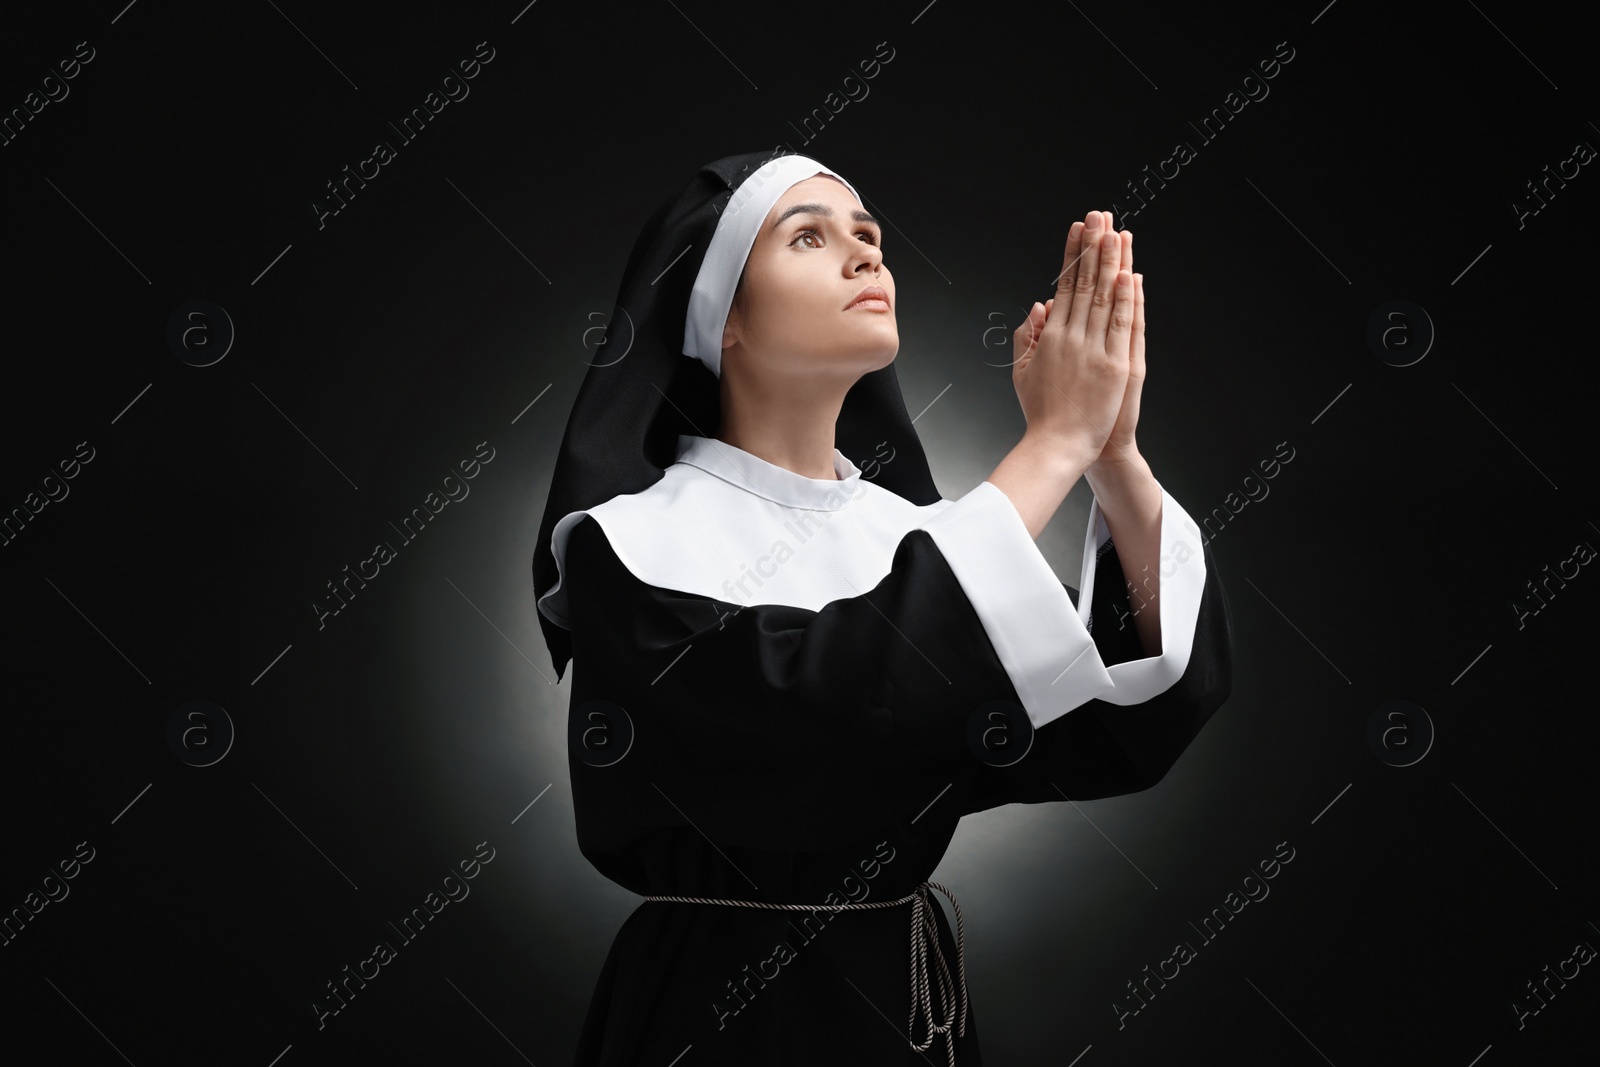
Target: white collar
pixel 749 472
pixel 708 527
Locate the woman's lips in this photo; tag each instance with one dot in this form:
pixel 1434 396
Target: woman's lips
pixel 873 297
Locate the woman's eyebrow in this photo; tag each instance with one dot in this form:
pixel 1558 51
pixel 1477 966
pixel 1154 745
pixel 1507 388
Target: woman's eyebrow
pixel 825 211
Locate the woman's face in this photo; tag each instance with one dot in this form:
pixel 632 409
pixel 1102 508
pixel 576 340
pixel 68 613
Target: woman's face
pixel 816 251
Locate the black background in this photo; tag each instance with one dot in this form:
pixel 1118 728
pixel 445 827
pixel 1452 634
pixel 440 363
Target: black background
pixel 374 352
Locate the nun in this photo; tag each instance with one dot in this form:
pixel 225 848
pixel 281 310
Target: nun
pixel 798 665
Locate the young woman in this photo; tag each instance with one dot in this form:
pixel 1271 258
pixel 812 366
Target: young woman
pixel 796 676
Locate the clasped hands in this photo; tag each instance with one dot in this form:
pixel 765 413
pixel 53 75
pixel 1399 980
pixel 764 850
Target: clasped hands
pixel 1078 370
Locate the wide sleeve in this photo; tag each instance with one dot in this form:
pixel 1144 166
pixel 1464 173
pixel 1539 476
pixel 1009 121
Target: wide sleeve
pixel 1040 632
pixel 1103 749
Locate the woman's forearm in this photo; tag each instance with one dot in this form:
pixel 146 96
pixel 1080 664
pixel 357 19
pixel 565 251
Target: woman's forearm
pixel 1037 475
pixel 1130 500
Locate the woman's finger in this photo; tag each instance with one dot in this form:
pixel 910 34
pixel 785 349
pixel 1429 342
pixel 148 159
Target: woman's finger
pixel 1104 293
pixel 1136 349
pixel 1025 339
pixel 1119 332
pixel 1069 269
pixel 1082 291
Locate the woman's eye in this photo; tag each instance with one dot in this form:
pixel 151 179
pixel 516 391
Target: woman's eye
pixel 871 238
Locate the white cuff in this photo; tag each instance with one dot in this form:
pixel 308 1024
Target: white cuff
pixel 1182 580
pixel 1043 642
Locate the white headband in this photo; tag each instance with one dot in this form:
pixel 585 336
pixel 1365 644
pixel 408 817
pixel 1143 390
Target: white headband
pixel 730 246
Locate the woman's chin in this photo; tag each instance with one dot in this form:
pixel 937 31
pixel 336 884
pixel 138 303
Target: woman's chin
pixel 860 354
pixel 879 339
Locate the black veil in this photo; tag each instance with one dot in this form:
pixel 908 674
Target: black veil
pixel 642 391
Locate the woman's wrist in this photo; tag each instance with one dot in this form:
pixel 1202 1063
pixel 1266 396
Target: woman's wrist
pixel 1118 474
pixel 1064 457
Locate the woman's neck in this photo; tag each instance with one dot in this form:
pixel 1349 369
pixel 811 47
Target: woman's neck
pixel 790 424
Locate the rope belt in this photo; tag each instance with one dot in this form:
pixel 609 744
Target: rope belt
pixel 923 929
